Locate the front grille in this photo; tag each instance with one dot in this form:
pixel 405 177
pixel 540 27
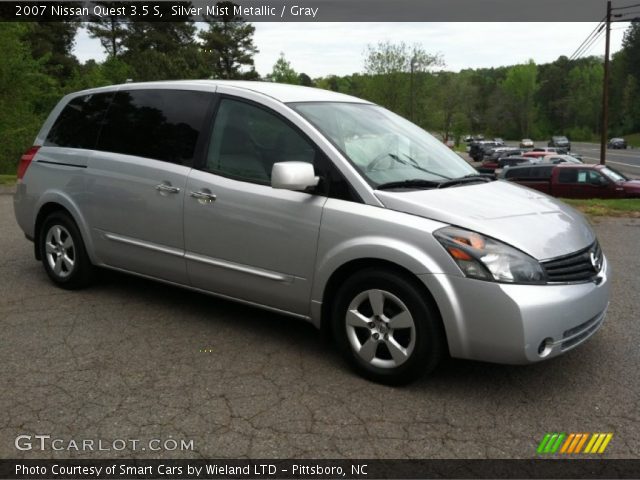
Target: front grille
pixel 581 266
pixel 575 335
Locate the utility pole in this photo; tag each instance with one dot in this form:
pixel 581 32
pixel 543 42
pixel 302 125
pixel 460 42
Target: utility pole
pixel 605 90
pixel 411 90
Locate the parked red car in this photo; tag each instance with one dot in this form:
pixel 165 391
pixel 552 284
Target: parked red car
pixel 575 181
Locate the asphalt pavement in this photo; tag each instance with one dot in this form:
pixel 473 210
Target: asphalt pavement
pixel 627 161
pixel 130 359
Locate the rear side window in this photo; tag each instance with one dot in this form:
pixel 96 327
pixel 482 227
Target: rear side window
pixel 158 124
pixel 518 173
pixel 78 125
pixel 542 172
pixel 568 176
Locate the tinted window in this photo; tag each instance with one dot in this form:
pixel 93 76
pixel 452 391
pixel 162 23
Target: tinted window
pixel 518 173
pixel 79 123
pixel 247 140
pixel 568 176
pixel 542 172
pixel 159 124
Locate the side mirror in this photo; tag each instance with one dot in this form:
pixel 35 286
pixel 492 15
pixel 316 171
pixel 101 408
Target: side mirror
pixel 293 176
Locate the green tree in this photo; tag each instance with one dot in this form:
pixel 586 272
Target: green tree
pixel 305 80
pixel 52 43
pixel 453 101
pixel 630 112
pixel 394 72
pixel 519 89
pixel 630 98
pixel 110 30
pixel 584 96
pixel 282 72
pixel 163 51
pixel 22 103
pixel 228 46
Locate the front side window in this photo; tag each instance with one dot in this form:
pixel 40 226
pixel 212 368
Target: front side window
pixel 589 176
pixel 384 147
pixel 157 124
pixel 247 140
pixel 568 176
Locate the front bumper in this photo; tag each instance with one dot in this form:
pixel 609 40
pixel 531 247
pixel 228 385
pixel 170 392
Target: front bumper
pixel 518 324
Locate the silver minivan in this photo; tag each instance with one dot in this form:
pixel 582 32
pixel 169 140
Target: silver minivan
pixel 317 205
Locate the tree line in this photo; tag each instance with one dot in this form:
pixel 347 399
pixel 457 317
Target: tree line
pixel 37 67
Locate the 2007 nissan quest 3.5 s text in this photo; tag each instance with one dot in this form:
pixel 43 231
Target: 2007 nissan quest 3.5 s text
pixel 314 204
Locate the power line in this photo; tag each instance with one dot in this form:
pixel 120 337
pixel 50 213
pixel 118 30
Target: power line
pixel 588 43
pixel 620 15
pixel 587 46
pixel 626 7
pixel 595 42
pixel 596 30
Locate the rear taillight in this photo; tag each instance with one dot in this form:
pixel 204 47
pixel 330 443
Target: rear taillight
pixel 25 161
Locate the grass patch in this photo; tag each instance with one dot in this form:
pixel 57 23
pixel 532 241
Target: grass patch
pixel 633 139
pixel 617 207
pixel 7 179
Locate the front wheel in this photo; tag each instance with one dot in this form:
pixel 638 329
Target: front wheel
pixel 63 253
pixel 386 327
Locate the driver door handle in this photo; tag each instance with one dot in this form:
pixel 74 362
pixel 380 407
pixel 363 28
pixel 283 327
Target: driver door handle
pixel 203 197
pixel 167 188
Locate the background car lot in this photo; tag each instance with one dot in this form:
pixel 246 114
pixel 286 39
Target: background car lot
pixel 126 359
pixel 625 161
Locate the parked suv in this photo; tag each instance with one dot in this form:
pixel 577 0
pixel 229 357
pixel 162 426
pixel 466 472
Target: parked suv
pixel 317 205
pixel 560 142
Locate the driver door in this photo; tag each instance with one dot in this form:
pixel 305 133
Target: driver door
pixel 243 238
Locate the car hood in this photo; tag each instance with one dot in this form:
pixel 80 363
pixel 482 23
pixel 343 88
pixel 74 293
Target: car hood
pixel 533 222
pixel 631 186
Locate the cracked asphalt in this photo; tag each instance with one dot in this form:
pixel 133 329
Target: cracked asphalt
pixel 133 359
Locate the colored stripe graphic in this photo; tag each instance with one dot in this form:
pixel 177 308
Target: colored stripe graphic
pixel 582 442
pixel 605 442
pixel 551 442
pixel 598 443
pixel 573 443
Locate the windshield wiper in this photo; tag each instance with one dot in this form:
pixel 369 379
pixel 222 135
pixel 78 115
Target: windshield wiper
pixel 471 178
pixel 415 164
pixel 410 183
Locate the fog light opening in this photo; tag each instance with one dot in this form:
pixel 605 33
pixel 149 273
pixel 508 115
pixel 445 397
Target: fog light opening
pixel 545 347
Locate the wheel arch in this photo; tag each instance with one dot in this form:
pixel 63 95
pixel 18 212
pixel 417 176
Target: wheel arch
pixel 349 269
pixel 59 203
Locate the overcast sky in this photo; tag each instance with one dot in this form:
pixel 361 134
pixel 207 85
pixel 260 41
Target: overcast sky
pixel 321 49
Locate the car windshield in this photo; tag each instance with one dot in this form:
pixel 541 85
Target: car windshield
pixel 384 147
pixel 613 175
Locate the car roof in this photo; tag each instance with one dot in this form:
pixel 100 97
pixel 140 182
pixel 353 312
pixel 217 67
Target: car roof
pixel 581 165
pixel 279 91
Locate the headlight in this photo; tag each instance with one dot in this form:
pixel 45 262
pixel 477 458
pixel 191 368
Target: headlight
pixel 487 259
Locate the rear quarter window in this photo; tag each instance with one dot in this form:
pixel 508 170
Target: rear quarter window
pixel 78 125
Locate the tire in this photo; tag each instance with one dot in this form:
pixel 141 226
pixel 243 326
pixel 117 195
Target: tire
pixel 63 252
pixel 368 339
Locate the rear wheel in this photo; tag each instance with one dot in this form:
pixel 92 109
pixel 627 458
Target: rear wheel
pixel 386 328
pixel 63 253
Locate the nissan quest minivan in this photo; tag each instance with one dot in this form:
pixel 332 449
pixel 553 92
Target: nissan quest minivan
pixel 317 205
